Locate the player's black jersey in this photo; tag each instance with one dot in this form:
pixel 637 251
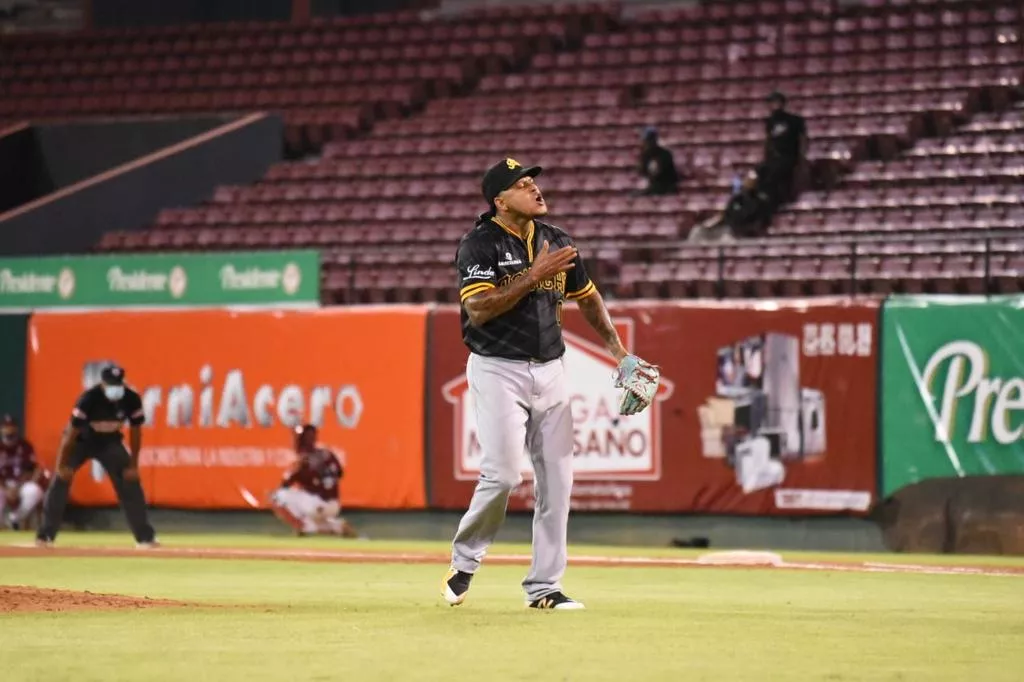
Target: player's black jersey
pixel 490 256
pixel 98 418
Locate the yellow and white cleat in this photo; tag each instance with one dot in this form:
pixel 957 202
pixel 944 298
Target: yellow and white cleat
pixel 455 586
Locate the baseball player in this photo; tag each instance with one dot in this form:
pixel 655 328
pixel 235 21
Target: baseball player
pixel 95 432
pixel 307 499
pixel 22 480
pixel 514 274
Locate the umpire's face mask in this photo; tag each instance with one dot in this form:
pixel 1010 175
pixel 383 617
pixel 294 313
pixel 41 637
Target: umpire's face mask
pixel 113 393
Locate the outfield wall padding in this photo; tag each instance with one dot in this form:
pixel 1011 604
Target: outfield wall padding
pixel 972 515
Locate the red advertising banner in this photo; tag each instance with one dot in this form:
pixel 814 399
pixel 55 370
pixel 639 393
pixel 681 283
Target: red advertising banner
pixel 766 407
pixel 224 390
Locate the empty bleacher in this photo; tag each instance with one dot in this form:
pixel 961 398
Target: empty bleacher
pixel 914 111
pixel 332 78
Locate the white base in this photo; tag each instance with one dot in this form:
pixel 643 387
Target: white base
pixel 742 557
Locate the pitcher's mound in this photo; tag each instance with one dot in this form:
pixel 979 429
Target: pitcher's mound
pixel 35 600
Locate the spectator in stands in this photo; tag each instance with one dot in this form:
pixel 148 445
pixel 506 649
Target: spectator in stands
pixel 22 480
pixel 746 214
pixel 657 165
pixel 785 150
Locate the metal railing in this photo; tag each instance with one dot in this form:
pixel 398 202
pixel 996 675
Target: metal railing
pixel 858 254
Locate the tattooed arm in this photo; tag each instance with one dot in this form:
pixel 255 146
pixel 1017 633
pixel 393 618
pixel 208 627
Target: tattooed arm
pixel 595 312
pixel 484 307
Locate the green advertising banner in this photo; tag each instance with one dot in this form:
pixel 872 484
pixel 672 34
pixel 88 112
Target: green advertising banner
pixel 952 388
pixel 166 279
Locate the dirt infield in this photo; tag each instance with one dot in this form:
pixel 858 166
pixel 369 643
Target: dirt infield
pixel 38 600
pixel 342 556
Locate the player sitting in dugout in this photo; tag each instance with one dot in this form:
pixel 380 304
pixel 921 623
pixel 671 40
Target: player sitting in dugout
pixel 746 214
pixel 308 498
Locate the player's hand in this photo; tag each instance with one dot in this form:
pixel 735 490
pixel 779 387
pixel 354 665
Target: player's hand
pixel 65 473
pixel 130 473
pixel 548 263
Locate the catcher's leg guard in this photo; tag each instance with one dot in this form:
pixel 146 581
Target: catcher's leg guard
pixel 289 519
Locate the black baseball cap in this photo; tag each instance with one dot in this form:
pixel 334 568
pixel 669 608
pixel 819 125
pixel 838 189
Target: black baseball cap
pixel 774 96
pixel 503 175
pixel 112 375
pixel 9 420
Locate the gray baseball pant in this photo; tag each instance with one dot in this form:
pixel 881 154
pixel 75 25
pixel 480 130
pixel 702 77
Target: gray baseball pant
pixel 520 405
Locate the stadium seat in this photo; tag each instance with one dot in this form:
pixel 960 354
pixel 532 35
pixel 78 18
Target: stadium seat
pixel 408 111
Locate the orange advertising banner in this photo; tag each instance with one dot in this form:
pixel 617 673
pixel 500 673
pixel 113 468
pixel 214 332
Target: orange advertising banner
pixel 223 389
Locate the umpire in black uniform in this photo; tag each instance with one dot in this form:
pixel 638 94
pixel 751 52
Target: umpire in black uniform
pixel 95 432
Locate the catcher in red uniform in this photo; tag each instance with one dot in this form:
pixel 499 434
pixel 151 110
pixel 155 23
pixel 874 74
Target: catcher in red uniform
pixel 307 499
pixel 22 480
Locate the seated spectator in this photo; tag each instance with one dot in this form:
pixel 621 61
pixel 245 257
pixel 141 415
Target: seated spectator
pixel 657 165
pixel 22 480
pixel 785 150
pixel 308 498
pixel 746 214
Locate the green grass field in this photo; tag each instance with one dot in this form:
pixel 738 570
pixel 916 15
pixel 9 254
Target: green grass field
pixel 284 620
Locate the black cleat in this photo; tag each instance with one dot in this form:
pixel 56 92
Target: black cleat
pixel 556 600
pixel 455 586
